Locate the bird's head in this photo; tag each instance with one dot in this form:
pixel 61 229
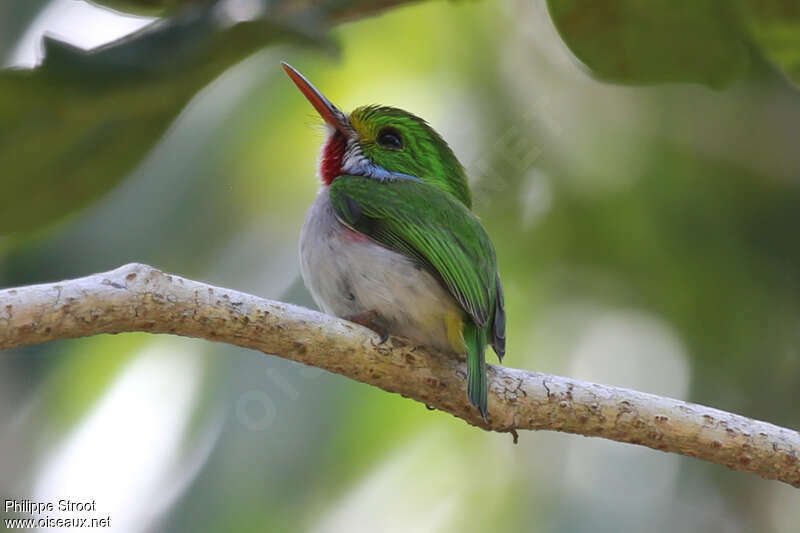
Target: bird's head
pixel 383 143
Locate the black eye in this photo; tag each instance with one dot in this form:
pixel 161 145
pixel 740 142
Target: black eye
pixel 390 138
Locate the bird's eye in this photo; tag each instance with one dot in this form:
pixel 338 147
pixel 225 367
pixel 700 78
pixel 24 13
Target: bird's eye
pixel 390 138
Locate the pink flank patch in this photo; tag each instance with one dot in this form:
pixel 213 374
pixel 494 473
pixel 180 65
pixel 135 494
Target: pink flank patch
pixel 332 154
pixel 354 236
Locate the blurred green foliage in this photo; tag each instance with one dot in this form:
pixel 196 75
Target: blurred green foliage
pixel 653 42
pixel 710 42
pixel 81 121
pixel 774 27
pixel 76 125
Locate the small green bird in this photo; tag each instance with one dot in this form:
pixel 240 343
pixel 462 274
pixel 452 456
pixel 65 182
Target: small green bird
pixel 391 242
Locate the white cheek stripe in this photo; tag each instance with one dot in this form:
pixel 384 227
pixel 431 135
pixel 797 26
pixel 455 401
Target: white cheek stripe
pixel 356 163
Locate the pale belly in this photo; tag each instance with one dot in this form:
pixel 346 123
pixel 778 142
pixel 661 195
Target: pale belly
pixel 348 274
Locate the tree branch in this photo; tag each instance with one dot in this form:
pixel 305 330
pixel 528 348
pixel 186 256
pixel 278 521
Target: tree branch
pixel 140 298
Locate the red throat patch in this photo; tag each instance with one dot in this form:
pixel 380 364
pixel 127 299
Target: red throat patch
pixel 332 155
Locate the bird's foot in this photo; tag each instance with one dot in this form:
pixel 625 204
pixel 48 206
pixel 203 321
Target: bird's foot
pixel 371 320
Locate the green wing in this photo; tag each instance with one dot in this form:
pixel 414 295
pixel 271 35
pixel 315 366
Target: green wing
pixel 430 225
pixel 427 224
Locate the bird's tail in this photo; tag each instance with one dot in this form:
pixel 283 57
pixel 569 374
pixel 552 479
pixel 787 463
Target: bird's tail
pixel 475 339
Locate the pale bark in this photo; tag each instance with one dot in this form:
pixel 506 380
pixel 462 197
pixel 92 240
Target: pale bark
pixel 140 298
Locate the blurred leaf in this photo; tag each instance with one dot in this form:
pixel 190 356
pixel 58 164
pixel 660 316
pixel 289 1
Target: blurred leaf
pixel 74 127
pixel 636 42
pixel 774 27
pixel 147 7
pixel 15 17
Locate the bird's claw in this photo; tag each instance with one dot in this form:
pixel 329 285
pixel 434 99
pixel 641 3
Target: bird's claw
pixel 371 320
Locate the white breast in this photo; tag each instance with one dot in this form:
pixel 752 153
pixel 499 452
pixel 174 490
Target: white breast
pixel 348 274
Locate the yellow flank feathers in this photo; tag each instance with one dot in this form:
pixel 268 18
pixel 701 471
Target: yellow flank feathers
pixel 454 323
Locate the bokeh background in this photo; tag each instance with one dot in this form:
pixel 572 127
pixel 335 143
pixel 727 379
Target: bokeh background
pixel 636 164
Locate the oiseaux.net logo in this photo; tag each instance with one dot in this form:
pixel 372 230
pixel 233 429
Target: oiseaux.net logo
pixel 62 513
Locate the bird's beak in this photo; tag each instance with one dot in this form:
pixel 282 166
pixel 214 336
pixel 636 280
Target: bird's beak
pixel 329 112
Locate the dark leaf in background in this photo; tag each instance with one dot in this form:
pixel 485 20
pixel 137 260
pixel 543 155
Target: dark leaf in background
pixel 74 127
pixel 628 41
pixel 774 27
pixel 147 7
